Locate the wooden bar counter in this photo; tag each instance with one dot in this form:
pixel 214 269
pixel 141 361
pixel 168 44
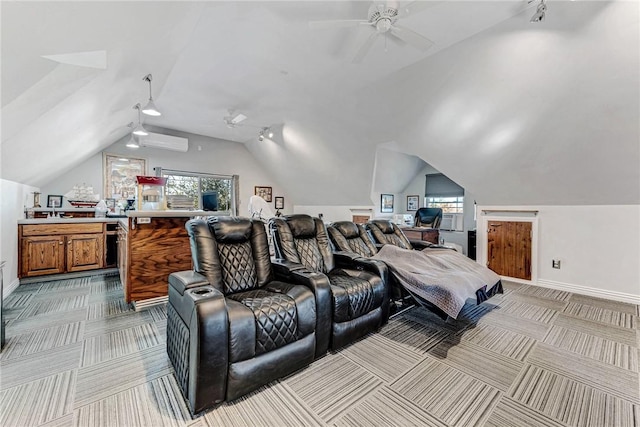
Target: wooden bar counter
pixel 152 245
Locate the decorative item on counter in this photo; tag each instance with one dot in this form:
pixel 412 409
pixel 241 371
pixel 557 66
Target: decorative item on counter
pixel 36 199
pixel 151 193
pixel 130 205
pixel 82 196
pixel 101 209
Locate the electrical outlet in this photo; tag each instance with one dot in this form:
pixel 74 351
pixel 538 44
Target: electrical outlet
pixel 555 263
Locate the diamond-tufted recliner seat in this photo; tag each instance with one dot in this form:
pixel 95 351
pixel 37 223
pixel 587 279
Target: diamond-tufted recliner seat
pixel 349 237
pixel 359 296
pixel 385 232
pixel 232 325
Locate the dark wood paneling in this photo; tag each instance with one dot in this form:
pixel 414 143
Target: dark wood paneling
pixel 61 228
pixel 509 248
pixel 155 251
pixel 418 233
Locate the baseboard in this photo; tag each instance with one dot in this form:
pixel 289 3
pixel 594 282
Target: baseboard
pixel 65 276
pixel 6 291
pixel 592 292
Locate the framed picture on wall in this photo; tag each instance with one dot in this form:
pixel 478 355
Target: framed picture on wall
pixel 120 176
pixel 264 192
pixel 386 203
pixel 412 203
pixel 279 202
pixel 54 201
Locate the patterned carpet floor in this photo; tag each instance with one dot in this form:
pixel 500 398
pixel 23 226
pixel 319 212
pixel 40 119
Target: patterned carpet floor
pixel 77 355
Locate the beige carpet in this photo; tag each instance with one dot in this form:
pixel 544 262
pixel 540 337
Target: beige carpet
pixel 77 355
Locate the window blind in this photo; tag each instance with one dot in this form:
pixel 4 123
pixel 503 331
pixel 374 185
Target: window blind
pixel 438 185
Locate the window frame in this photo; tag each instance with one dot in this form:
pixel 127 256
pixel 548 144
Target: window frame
pixel 233 193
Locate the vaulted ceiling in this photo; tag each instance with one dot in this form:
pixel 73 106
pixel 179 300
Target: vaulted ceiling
pixel 518 113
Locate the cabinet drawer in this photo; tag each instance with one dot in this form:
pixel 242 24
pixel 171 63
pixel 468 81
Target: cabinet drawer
pixel 57 229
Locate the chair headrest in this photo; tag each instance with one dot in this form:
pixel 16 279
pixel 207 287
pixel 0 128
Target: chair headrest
pixel 347 228
pixel 230 229
pixel 302 226
pixel 385 226
pixel 428 215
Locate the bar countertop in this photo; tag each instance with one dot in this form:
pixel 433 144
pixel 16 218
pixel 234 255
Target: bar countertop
pixel 168 214
pixel 66 220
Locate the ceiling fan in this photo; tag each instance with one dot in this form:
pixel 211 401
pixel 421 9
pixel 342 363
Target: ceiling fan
pixel 382 19
pixel 233 120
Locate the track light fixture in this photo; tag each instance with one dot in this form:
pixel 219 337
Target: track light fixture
pixel 540 11
pixel 150 109
pixel 265 132
pixel 139 129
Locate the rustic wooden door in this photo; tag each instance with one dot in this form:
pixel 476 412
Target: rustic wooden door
pixel 509 248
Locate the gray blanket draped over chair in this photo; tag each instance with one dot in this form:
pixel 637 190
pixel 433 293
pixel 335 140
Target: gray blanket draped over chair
pixel 443 277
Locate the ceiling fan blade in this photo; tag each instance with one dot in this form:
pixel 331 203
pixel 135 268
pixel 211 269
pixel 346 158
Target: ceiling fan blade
pixel 411 37
pixel 414 7
pixel 338 23
pixel 364 49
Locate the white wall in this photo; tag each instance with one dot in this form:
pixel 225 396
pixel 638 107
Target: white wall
pixel 599 249
pixel 416 187
pixel 333 213
pixel 206 155
pixel 15 197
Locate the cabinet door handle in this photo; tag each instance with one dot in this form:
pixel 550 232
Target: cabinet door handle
pixel 61 242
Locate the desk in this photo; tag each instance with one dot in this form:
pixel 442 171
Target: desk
pixel 422 233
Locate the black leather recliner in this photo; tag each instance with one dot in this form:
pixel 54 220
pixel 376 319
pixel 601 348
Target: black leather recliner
pixel 232 325
pixel 428 217
pixel 348 236
pixel 359 296
pixel 385 232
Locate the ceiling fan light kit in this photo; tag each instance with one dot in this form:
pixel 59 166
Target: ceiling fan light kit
pixel 382 18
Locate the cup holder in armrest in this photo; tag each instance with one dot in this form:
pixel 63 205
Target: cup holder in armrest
pixel 201 292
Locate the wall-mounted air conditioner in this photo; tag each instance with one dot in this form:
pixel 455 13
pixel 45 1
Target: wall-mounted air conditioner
pixel 165 142
pixel 452 222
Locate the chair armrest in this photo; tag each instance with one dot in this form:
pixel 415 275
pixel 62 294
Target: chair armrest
pixel 420 244
pixel 282 268
pixel 319 284
pixel 355 261
pixel 197 343
pixel 351 260
pixel 183 280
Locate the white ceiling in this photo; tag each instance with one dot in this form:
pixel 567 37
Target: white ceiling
pixel 519 113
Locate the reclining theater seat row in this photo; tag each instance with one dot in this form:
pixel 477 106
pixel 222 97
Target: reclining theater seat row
pixel 347 236
pixel 240 321
pixel 359 293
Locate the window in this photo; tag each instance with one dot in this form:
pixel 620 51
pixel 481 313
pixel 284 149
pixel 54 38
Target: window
pixel 194 184
pixel 442 192
pixel 447 204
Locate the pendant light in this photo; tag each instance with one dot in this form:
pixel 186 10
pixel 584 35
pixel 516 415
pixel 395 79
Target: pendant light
pixel 150 109
pixel 132 143
pixel 139 129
